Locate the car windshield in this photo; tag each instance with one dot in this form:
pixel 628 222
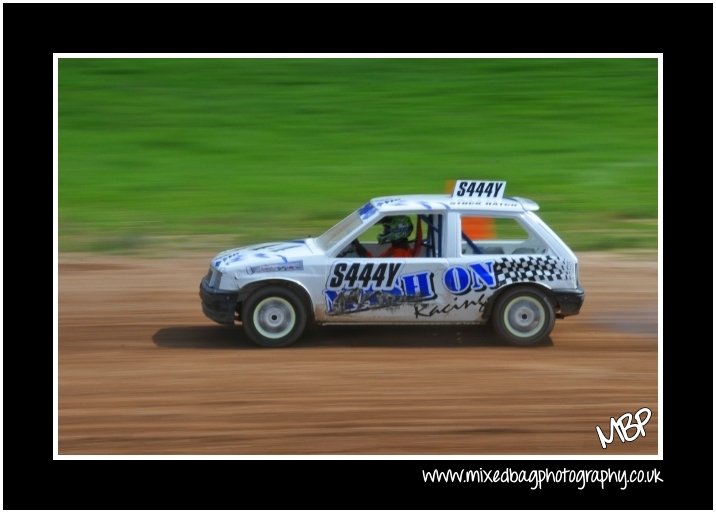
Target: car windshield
pixel 334 234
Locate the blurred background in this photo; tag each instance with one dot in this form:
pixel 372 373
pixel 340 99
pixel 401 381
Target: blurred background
pixel 225 152
pixel 158 156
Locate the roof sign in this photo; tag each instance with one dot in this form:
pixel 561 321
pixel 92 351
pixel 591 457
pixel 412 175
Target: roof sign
pixel 478 189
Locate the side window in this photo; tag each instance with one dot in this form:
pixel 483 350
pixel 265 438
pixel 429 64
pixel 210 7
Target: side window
pixel 370 236
pixel 496 236
pixel 399 236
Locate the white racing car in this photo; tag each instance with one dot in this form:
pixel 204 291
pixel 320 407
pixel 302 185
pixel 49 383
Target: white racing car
pixel 472 257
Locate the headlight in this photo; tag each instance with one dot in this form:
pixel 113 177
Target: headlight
pixel 213 278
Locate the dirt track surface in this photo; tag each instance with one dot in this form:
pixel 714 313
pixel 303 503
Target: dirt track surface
pixel 142 371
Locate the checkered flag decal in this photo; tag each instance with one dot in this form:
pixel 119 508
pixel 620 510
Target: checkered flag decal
pixel 529 268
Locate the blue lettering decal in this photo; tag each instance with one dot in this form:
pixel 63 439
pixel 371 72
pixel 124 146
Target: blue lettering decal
pixel 348 301
pixel 483 275
pixel 366 211
pixel 419 284
pixel 343 298
pixel 331 296
pixel 457 280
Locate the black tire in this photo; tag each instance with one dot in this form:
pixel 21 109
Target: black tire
pixel 523 316
pixel 274 316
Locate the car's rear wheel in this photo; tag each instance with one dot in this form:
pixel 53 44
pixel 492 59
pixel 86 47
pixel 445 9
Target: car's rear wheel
pixel 523 316
pixel 274 316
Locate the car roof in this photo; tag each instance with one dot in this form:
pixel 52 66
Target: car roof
pixel 387 204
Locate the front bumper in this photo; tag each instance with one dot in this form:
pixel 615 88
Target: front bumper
pixel 218 305
pixel 569 301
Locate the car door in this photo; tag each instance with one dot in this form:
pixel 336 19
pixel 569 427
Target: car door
pixel 386 289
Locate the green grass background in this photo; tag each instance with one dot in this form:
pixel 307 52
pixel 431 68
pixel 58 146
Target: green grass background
pixel 251 150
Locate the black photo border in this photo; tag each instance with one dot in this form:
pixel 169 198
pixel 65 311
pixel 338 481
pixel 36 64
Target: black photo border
pixel 33 32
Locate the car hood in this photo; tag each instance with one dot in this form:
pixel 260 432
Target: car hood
pixel 285 254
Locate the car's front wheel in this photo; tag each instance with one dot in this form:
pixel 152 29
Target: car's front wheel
pixel 523 316
pixel 274 316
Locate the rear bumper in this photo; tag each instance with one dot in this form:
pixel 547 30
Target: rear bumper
pixel 218 305
pixel 569 301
